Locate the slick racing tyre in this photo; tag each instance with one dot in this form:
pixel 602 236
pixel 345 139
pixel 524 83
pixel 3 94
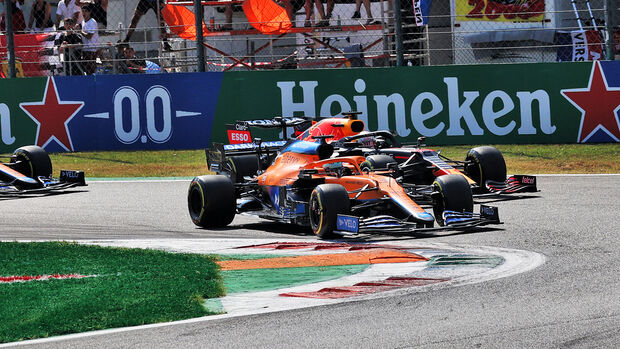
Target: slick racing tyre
pixel 326 202
pixel 32 161
pixel 451 193
pixel 241 166
pixel 376 162
pixel 485 163
pixel 211 201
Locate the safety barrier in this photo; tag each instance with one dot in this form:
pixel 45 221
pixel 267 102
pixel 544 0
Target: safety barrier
pixel 474 104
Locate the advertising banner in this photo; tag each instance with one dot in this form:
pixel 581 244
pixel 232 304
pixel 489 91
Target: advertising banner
pixel 579 46
pixel 126 112
pixel 421 10
pixel 500 10
pixel 474 104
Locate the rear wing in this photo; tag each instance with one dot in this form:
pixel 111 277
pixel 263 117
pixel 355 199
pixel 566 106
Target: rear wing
pixel 239 132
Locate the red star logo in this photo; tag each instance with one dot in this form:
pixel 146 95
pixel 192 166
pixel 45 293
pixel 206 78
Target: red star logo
pixel 598 104
pixel 52 117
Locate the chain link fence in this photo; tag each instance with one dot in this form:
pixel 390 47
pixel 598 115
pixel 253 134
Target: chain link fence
pixel 155 36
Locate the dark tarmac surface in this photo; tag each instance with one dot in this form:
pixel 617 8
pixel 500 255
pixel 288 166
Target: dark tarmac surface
pixel 571 301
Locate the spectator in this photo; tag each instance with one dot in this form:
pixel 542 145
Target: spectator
pixel 90 40
pixel 134 64
pixel 68 9
pixel 70 46
pixel 292 6
pixel 100 11
pixel 121 58
pixel 357 14
pixel 19 22
pixel 228 14
pixel 324 22
pixel 141 9
pixel 40 16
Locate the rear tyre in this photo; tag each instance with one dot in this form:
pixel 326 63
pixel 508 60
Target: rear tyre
pixel 241 166
pixel 375 162
pixel 452 193
pixel 32 161
pixel 326 202
pixel 211 201
pixel 485 163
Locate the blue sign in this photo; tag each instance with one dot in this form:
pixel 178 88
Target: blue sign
pixel 136 112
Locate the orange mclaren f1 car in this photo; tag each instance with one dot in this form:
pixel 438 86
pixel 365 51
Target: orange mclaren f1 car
pixel 301 182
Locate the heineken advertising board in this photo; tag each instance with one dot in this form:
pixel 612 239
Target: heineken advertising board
pixel 518 103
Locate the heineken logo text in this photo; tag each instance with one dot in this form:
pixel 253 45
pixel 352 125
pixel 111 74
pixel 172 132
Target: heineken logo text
pixel 458 113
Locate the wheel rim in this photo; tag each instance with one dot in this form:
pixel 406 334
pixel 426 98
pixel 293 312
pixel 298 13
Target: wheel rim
pixel 316 213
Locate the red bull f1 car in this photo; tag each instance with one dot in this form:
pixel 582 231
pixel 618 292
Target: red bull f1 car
pixel 303 182
pixel 484 167
pixel 29 172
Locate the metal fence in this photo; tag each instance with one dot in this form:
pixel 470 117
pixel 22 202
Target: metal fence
pixel 154 36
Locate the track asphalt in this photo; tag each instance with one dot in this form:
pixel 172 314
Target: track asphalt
pixel 572 300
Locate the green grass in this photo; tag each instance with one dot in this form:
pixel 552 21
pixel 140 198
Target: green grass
pixel 132 287
pixel 532 159
pixel 167 163
pixel 552 158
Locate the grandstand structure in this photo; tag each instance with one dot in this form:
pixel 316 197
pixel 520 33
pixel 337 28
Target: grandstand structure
pixel 263 35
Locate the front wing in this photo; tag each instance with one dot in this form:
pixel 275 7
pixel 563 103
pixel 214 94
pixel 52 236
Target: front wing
pixel 68 179
pixel 384 224
pixel 513 185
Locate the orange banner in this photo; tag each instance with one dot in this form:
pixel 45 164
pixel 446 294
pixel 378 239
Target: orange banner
pixel 182 22
pixel 267 17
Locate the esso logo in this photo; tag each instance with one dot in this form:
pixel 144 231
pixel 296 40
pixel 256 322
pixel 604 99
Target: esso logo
pixel 241 137
pixel 237 137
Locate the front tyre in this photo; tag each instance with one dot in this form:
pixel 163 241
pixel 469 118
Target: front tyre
pixel 451 193
pixel 326 202
pixel 32 161
pixel 211 201
pixel 485 164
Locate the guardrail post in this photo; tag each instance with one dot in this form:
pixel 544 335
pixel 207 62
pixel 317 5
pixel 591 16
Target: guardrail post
pixel 398 33
pixel 10 42
pixel 198 10
pixel 609 26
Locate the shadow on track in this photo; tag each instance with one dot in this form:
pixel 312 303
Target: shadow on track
pixel 291 230
pixel 14 196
